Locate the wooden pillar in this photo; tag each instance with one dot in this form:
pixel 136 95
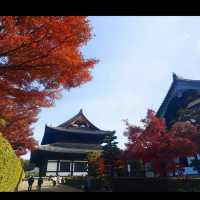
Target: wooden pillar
pixel 72 167
pixel 40 171
pixel 43 167
pixel 57 168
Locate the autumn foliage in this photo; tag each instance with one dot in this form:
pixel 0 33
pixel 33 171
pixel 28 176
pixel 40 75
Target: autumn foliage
pixel 154 144
pixel 39 56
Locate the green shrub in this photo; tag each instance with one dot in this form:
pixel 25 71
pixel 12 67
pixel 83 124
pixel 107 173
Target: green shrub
pixel 11 172
pixel 76 181
pixel 79 182
pixel 31 173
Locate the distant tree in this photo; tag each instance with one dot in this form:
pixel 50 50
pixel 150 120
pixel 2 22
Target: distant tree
pixel 111 154
pixel 154 144
pixel 39 56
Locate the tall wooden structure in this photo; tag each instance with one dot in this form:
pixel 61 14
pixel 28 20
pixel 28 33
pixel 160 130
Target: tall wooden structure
pixel 63 150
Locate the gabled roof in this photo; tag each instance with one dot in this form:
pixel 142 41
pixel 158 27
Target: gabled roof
pixel 58 134
pixel 178 85
pixel 82 120
pixel 67 132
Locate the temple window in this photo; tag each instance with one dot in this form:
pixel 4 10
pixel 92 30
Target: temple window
pixel 64 166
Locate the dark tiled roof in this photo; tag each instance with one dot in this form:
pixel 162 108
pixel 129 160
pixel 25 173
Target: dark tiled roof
pixel 59 134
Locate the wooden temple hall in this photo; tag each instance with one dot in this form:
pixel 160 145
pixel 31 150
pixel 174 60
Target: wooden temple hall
pixel 63 150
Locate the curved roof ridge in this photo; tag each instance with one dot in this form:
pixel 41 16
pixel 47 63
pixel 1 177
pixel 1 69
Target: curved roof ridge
pixel 71 119
pixel 80 113
pixel 177 77
pixel 180 78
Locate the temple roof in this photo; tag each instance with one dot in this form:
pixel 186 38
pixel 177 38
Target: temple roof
pixel 79 121
pixel 178 88
pixel 76 130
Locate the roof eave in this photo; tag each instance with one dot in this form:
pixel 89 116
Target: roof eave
pixel 100 132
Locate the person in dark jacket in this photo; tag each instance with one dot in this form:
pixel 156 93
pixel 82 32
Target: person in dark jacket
pixel 30 183
pixel 87 185
pixel 40 182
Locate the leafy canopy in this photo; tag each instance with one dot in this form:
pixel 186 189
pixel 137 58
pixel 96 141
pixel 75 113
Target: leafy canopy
pixel 161 147
pixel 39 56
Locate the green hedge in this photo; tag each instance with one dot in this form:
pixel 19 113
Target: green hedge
pixel 129 184
pixel 79 182
pixel 11 172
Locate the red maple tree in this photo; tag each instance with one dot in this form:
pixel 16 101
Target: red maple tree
pixel 100 166
pixel 39 56
pixel 154 144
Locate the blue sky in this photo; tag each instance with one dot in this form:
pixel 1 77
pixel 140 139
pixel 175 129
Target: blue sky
pixel 137 58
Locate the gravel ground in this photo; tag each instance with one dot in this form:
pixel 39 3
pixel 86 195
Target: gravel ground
pixel 47 187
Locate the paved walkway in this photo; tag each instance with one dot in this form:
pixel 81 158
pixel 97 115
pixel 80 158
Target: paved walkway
pixel 48 187
pixel 61 188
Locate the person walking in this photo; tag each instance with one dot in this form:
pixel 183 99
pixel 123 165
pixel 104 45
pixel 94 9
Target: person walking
pixel 30 183
pixel 54 181
pixel 87 185
pixel 62 181
pixel 40 182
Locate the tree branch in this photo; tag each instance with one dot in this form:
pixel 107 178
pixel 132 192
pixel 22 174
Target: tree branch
pixel 25 44
pixel 21 66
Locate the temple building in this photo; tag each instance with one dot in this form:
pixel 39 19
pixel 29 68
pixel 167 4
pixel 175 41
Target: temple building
pixel 64 149
pixel 183 94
